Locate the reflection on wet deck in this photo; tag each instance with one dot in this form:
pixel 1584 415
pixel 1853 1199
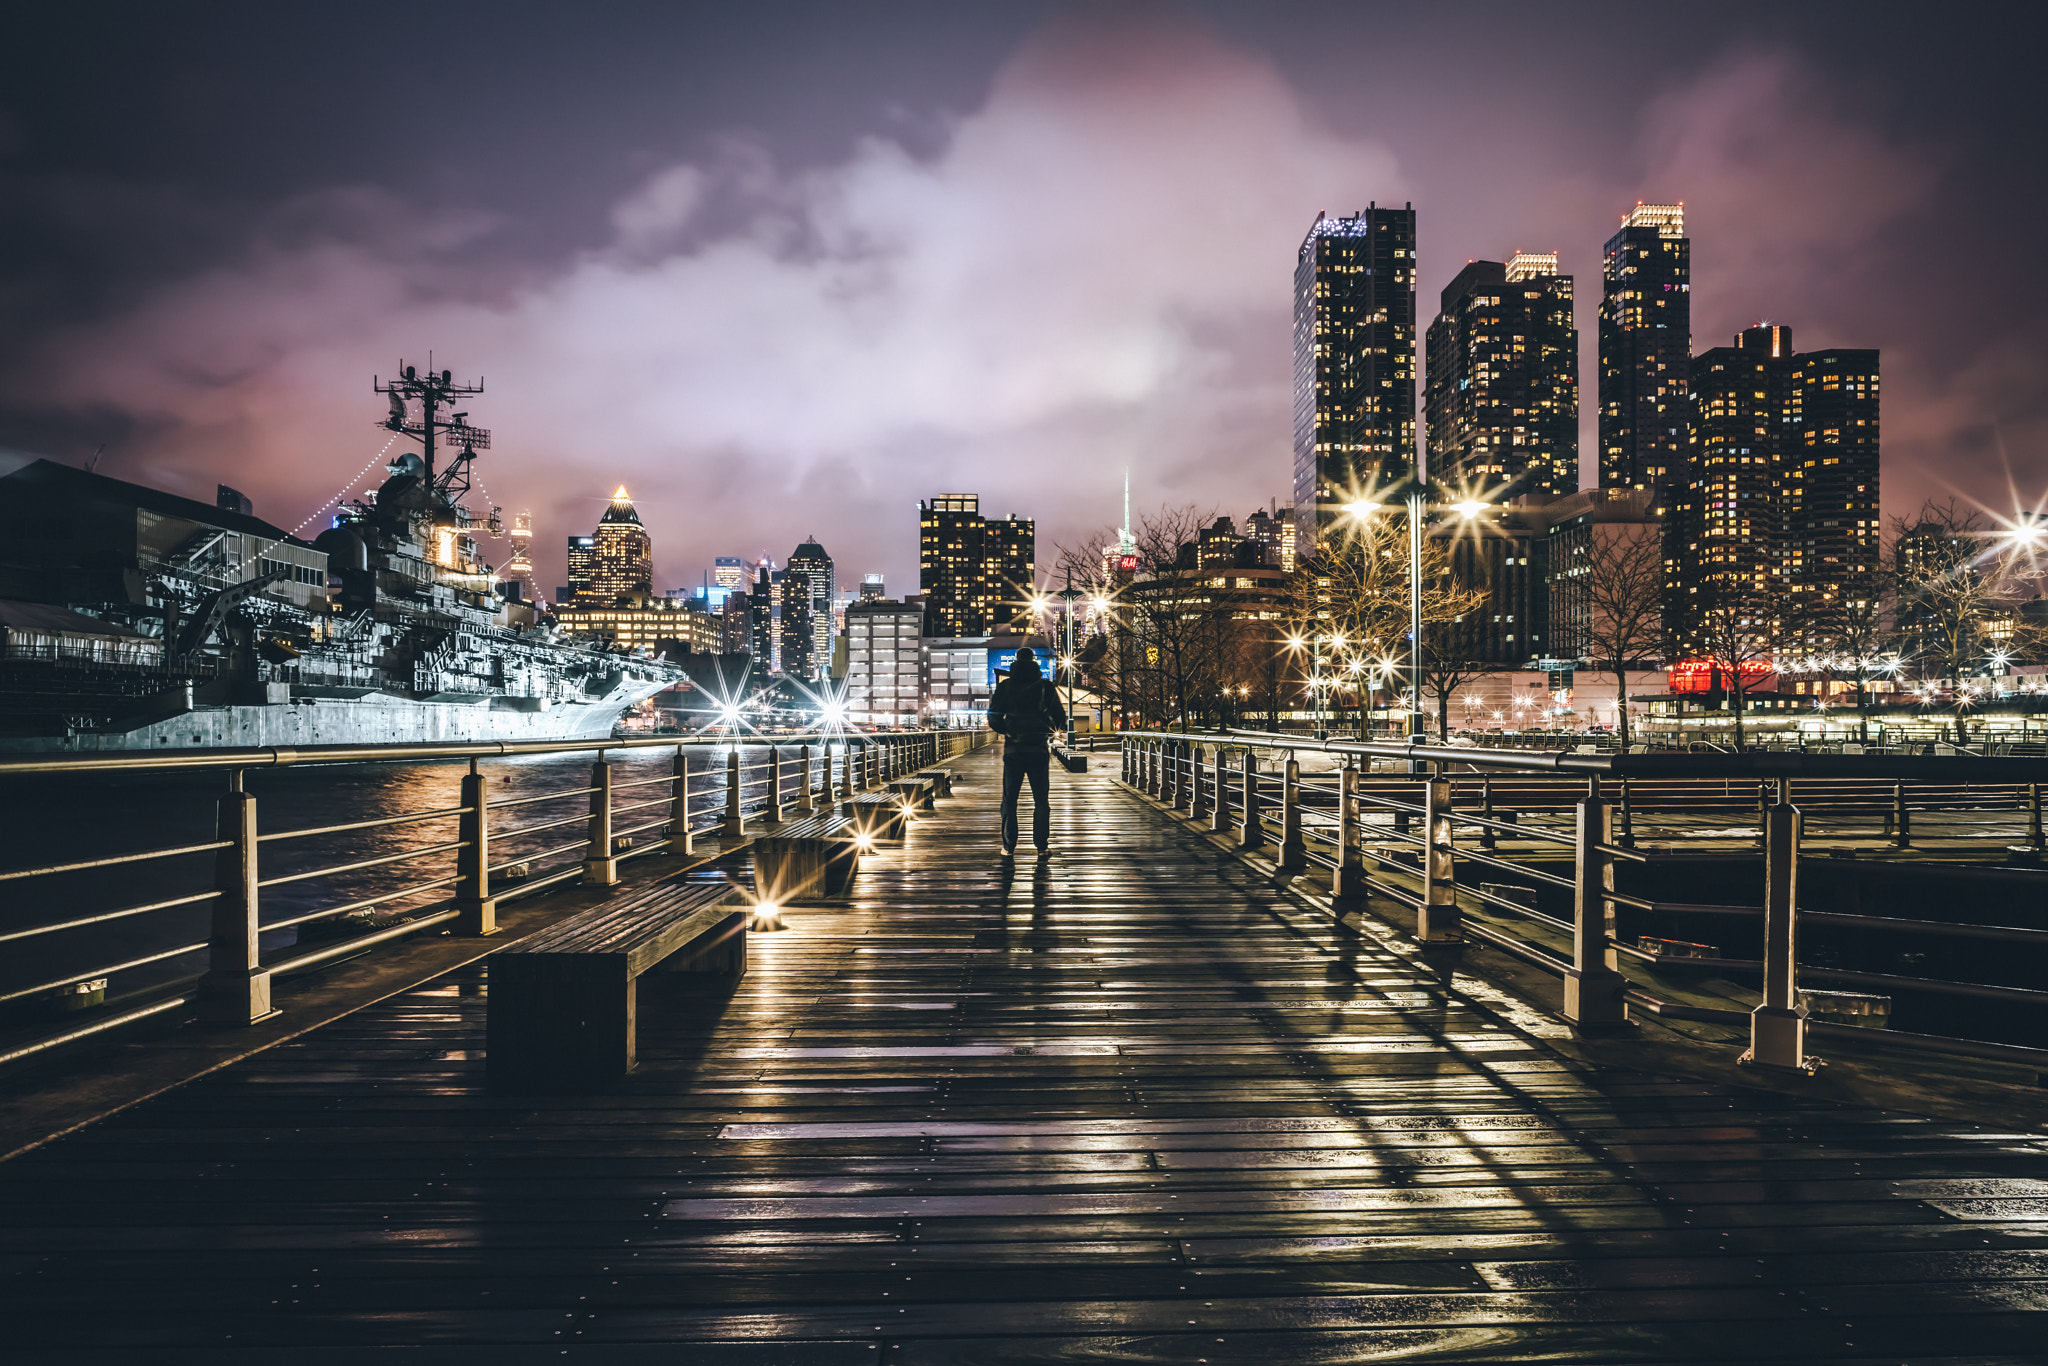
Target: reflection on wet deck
pixel 1122 1104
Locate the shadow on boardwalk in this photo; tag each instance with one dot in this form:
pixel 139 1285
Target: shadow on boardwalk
pixel 1121 1104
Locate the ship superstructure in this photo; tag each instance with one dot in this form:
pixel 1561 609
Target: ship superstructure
pixel 136 619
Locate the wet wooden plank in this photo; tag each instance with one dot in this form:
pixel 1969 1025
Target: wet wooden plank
pixel 1121 1104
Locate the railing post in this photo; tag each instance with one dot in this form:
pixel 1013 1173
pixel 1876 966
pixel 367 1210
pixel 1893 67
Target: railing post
pixel 473 900
pixel 1487 839
pixel 773 816
pixel 1439 921
pixel 1594 985
pixel 1777 1028
pixel 2034 839
pixel 681 838
pixel 1219 788
pixel 1293 854
pixel 735 822
pixel 808 801
pixel 1198 798
pixel 1347 881
pixel 236 986
pixel 1626 837
pixel 1763 807
pixel 600 864
pixel 1251 833
pixel 1152 769
pixel 1902 820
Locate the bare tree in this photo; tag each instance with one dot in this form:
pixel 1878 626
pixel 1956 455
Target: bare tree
pixel 1621 586
pixel 1738 630
pixel 1848 633
pixel 1959 588
pixel 1442 676
pixel 1181 617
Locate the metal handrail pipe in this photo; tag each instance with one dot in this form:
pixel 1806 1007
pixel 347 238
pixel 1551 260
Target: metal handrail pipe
pixel 537 857
pixel 639 829
pixel 1933 1043
pixel 87 974
pixel 1892 981
pixel 348 948
pixel 1520 870
pixel 281 757
pixel 363 905
pixel 580 818
pixel 1515 948
pixel 96 1027
pixel 642 806
pixel 378 862
pixel 114 861
pixel 360 825
pixel 644 782
pixel 543 797
pixel 1952 768
pixel 121 914
pixel 2010 934
pixel 1534 832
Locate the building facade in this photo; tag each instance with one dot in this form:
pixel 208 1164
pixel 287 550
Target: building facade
pixel 795 625
pixel 1504 555
pixel 811 561
pixel 582 569
pixel 662 624
pixel 1832 554
pixel 883 663
pixel 974 573
pixel 1502 400
pixel 623 563
pixel 1354 364
pixel 957 685
pixel 1573 529
pixel 1645 348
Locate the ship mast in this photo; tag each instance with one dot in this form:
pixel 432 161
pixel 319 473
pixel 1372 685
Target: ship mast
pixel 426 395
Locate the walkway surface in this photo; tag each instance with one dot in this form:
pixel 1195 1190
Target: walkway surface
pixel 1121 1104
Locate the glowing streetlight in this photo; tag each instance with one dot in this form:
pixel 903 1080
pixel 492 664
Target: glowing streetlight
pixel 1470 508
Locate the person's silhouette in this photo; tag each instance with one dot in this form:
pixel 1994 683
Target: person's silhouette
pixel 1025 711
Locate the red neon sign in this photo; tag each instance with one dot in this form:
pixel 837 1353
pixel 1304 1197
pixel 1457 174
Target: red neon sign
pixel 1700 675
pixel 1127 563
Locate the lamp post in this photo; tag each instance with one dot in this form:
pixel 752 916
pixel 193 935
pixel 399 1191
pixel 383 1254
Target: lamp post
pixel 1070 593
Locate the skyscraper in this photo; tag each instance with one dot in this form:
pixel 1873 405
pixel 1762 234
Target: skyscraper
pixel 795 623
pixel 582 567
pixel 1354 363
pixel 1778 499
pixel 974 572
pixel 810 560
pixel 1645 348
pixel 763 641
pixel 624 555
pixel 1503 385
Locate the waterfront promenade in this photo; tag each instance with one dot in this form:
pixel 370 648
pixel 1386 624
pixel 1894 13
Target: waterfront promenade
pixel 1127 1103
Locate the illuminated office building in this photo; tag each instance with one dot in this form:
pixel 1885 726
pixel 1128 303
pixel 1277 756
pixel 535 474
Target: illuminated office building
pixel 974 573
pixel 582 568
pixel 1645 348
pixel 624 554
pixel 1354 364
pixel 815 566
pixel 1502 398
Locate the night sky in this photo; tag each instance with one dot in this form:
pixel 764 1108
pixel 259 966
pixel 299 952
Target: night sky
pixel 785 269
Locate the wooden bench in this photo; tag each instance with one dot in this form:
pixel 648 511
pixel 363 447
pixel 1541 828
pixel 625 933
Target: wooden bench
pixel 807 859
pixel 915 793
pixel 881 818
pixel 942 780
pixel 562 1004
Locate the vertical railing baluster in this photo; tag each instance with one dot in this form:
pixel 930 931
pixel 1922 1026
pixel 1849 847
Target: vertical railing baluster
pixel 1198 797
pixel 236 986
pixel 735 823
pixel 1251 830
pixel 600 862
pixel 477 908
pixel 1347 882
pixel 1777 1027
pixel 773 816
pixel 681 838
pixel 1293 854
pixel 1593 986
pixel 1219 786
pixel 1902 820
pixel 1439 921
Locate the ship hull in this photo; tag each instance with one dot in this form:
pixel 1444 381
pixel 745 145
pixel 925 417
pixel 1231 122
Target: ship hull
pixel 373 719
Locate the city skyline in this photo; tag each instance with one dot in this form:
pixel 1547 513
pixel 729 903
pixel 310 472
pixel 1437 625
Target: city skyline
pixel 230 308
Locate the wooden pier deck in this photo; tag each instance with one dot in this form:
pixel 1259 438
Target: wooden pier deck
pixel 1123 1104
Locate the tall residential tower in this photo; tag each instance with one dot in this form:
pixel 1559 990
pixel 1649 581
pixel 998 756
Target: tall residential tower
pixel 975 572
pixel 1354 364
pixel 1645 348
pixel 1503 391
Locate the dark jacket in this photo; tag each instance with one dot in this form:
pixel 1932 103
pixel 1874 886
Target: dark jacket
pixel 1026 709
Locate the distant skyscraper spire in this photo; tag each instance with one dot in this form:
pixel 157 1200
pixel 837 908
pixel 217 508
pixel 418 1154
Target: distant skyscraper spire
pixel 1125 544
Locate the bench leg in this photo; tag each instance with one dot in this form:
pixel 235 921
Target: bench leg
pixel 723 952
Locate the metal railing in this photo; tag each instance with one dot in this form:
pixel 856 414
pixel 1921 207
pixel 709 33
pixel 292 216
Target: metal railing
pixel 1599 813
pixel 482 853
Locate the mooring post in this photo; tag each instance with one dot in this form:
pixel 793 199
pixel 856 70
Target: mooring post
pixel 1251 832
pixel 681 839
pixel 1347 881
pixel 1439 921
pixel 735 822
pixel 1293 854
pixel 236 987
pixel 477 909
pixel 600 861
pixel 1594 985
pixel 1777 1028
pixel 1902 820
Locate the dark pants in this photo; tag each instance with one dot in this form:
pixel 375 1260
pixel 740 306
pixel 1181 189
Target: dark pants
pixel 1017 766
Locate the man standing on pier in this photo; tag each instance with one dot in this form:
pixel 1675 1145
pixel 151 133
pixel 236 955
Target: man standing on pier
pixel 1025 711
